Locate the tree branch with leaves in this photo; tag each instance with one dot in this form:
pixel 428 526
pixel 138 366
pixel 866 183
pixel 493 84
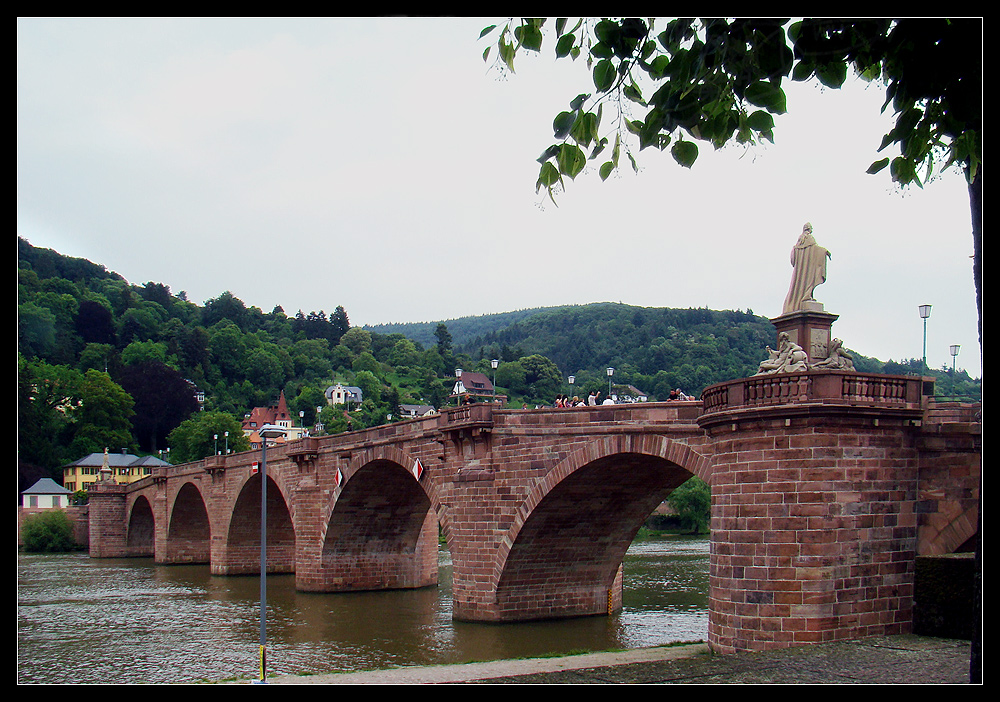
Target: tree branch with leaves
pixel 720 81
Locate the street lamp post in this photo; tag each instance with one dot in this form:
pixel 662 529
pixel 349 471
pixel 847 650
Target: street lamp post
pixel 954 352
pixel 572 379
pixel 494 363
pixel 227 442
pixel 458 387
pixel 611 372
pixel 215 449
pixel 268 431
pixel 925 312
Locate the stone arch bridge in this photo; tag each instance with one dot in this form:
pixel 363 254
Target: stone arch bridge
pixel 825 488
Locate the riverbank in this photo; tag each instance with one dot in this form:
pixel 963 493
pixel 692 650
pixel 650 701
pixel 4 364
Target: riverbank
pixel 907 659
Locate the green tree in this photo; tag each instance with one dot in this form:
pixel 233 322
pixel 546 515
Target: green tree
pixel 358 340
pixel 142 351
pixel 103 416
pixel 47 398
pixel 339 324
pixel 48 532
pixel 444 340
pixel 163 399
pixel 371 386
pixel 542 377
pixel 692 503
pixel 194 438
pixel 511 376
pixel 720 80
pixel 36 330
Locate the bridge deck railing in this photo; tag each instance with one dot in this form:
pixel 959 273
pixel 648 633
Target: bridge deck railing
pixel 826 387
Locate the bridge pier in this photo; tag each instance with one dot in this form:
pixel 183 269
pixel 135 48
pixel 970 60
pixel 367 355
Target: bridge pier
pixel 108 520
pixel 814 521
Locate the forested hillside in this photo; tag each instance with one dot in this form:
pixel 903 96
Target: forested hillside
pixel 104 363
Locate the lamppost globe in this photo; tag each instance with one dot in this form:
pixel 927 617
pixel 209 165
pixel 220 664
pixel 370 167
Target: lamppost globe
pixel 925 312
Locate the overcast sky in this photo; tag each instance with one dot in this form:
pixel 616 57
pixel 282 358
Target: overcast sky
pixel 381 165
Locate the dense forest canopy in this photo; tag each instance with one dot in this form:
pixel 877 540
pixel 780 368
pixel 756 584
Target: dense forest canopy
pixel 103 363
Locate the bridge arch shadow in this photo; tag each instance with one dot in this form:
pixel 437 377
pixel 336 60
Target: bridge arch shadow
pixel 562 555
pixel 381 529
pixel 242 542
pixel 189 533
pixel 139 540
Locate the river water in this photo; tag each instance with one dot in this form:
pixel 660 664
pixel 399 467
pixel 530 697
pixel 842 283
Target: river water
pixel 83 620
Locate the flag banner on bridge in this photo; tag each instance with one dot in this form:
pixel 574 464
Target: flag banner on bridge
pixel 340 478
pixel 418 469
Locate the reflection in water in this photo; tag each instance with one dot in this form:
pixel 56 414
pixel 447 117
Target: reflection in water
pixel 83 620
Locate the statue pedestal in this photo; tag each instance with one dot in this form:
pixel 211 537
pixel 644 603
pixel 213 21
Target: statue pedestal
pixel 809 328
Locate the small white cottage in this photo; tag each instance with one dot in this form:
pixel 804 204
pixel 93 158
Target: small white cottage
pixel 46 493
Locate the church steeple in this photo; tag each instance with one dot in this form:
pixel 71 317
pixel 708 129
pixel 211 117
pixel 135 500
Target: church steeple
pixel 281 416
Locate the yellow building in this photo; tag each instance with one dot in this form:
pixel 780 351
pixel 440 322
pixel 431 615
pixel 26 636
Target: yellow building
pixel 124 467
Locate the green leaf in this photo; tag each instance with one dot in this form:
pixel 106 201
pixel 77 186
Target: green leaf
pixel 487 30
pixel 584 129
pixel 760 121
pixel 607 169
pixel 507 51
pixel 832 75
pixel 608 32
pixel 571 160
pixel 877 166
pixel 565 45
pixel 530 37
pixel 658 67
pixel 598 149
pixel 903 171
pixel 601 50
pixel 548 153
pixel 562 124
pixel 685 153
pixel 548 175
pixel 768 96
pixel 803 70
pixel 650 132
pixel 604 75
pixel 633 94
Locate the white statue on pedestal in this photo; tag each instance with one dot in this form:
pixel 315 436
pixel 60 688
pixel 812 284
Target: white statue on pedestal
pixel 808 271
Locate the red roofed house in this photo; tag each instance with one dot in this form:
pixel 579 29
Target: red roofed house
pixel 275 414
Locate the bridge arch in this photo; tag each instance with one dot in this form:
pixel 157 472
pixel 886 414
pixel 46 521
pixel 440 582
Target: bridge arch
pixel 241 550
pixel 585 512
pixel 380 526
pixel 189 531
pixel 141 534
pixel 952 532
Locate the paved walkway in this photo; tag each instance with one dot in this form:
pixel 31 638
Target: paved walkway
pixel 887 660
